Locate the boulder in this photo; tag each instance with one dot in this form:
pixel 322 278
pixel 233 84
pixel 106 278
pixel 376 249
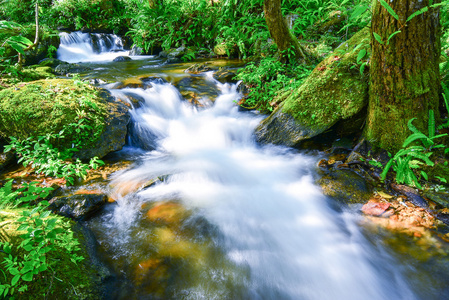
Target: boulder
pixel 335 91
pixel 78 207
pixel 113 138
pixel 49 106
pixel 198 68
pixel 122 58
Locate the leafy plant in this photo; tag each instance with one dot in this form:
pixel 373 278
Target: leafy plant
pixel 44 158
pixel 42 234
pixel 411 158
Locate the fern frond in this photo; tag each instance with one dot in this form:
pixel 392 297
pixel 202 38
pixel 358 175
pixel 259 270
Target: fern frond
pixel 412 127
pixel 416 136
pixel 421 156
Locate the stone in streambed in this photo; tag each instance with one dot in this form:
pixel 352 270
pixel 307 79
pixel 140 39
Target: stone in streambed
pixel 166 213
pixel 122 58
pixel 345 186
pixel 79 206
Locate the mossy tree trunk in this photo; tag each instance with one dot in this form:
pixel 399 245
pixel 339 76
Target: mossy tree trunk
pixel 404 72
pixel 288 45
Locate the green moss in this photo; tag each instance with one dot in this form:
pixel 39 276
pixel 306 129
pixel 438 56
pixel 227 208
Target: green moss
pixel 48 106
pixel 335 89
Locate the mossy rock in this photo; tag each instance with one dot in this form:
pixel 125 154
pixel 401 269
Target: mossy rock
pixel 48 106
pixel 334 91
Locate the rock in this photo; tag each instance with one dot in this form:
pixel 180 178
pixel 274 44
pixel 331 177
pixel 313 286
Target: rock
pixel 442 198
pixel 114 134
pixel 345 186
pixel 375 208
pixel 78 207
pixel 122 58
pixel 97 81
pixel 6 159
pixel 177 53
pixel 333 92
pixel 135 51
pixel 412 195
pixel 166 213
pixel 66 69
pixel 198 68
pixel 50 62
pixel 133 83
pixel 224 75
pixel 224 49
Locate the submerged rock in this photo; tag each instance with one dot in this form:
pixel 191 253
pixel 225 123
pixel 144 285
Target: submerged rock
pixel 345 186
pixel 223 75
pixel 333 92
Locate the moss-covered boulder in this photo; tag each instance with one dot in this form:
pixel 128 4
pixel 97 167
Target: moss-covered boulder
pixel 85 113
pixel 334 91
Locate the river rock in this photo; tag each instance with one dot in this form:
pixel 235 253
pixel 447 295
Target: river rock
pixel 66 69
pixel 166 213
pixel 78 207
pixel 114 134
pixel 198 68
pixel 50 62
pixel 412 195
pixel 442 197
pixel 135 51
pixel 224 75
pixel 345 186
pixel 122 58
pixel 333 92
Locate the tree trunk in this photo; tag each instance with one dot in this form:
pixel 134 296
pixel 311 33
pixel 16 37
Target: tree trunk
pixel 404 72
pixel 288 45
pixel 36 37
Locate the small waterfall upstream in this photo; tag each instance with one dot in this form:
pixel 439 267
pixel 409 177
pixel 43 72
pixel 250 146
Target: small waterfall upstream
pixel 206 213
pixel 82 47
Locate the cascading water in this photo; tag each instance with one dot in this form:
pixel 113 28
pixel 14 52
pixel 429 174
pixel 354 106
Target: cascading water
pixel 257 227
pixel 81 47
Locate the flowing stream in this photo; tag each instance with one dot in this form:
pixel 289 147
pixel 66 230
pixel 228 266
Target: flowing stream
pixel 206 213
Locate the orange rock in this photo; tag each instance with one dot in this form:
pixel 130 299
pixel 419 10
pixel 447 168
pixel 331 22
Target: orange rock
pixel 166 213
pixel 87 192
pixel 375 208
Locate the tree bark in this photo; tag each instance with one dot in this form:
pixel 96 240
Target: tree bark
pixel 288 45
pixel 404 72
pixel 36 37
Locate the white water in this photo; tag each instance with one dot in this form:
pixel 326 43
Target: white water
pixel 77 47
pixel 263 200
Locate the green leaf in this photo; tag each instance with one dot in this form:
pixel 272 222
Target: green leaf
pixel 15 279
pixel 45 214
pixel 392 35
pixel 378 38
pixel 27 277
pixel 362 68
pixel 361 55
pixel 13 271
pixel 413 137
pixel 424 175
pixel 358 11
pixel 416 13
pixel 389 9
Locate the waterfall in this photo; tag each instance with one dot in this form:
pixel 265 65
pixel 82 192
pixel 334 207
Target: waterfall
pixel 82 47
pixel 278 237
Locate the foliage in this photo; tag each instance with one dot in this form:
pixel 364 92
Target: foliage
pixel 42 235
pixel 44 158
pixel 267 78
pixel 412 157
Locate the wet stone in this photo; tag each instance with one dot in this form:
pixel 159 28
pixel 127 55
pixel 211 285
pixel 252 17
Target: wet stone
pixel 345 186
pixel 79 206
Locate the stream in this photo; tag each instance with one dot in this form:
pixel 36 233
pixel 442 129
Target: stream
pixel 203 212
